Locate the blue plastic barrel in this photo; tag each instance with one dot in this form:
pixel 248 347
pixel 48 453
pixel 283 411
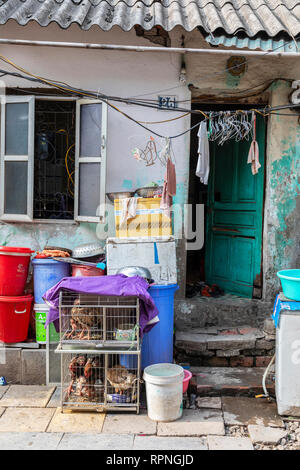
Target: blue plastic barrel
pixel 157 345
pixel 46 273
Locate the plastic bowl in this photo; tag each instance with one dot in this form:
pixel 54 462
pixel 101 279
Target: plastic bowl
pixel 186 380
pixel 290 281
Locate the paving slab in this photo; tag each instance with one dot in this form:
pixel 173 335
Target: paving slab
pixel 243 411
pixel 76 422
pixel 194 423
pixel 2 411
pixel 229 443
pixel 25 419
pixel 55 400
pixel 229 381
pixel 169 443
pixel 33 396
pixel 209 402
pixel 125 423
pixel 3 390
pixel 266 434
pixel 96 442
pixel 29 441
pixel 11 364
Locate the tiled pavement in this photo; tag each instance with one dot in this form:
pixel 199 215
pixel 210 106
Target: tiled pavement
pixel 30 419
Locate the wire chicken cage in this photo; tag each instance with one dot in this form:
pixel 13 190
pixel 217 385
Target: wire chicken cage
pixel 100 381
pixel 98 321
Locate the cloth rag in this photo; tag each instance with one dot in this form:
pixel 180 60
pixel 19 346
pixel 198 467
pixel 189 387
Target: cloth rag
pixel 202 169
pixel 129 206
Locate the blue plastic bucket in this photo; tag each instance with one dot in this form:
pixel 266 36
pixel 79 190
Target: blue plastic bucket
pixel 46 273
pixel 157 345
pixel 290 281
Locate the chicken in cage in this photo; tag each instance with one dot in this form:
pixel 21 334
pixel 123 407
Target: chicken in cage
pixel 107 379
pixel 98 318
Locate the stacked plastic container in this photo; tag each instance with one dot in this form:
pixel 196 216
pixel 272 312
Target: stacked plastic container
pixel 15 306
pixel 46 273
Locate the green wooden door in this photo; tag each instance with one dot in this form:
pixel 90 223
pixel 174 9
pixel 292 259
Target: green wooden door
pixel 234 221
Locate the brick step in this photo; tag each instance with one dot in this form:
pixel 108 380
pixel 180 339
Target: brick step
pixel 229 381
pixel 225 347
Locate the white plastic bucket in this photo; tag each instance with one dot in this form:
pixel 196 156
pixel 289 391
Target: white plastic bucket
pixel 164 391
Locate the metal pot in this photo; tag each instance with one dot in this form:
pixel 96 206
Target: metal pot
pixel 88 250
pixel 131 271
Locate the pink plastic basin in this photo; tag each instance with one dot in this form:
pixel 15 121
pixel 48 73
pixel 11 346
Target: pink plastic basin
pixel 186 380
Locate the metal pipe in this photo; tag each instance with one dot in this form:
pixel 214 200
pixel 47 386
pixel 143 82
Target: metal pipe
pixel 175 50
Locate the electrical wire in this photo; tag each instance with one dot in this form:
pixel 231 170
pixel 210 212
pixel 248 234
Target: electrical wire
pixel 107 99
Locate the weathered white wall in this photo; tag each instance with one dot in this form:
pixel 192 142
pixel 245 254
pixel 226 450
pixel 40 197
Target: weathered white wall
pixel 115 73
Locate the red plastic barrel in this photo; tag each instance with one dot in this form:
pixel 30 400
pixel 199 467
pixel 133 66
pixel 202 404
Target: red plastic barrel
pixel 14 264
pixel 14 318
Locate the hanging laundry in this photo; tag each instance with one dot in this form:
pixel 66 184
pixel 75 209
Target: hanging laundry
pixel 169 187
pixel 129 206
pixel 202 170
pixel 253 155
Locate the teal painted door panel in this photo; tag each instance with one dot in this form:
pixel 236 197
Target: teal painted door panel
pixel 234 221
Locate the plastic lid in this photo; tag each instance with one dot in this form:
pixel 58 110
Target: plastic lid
pixel 22 298
pixel 13 249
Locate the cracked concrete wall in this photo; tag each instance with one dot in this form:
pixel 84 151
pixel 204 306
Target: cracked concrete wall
pixel 281 239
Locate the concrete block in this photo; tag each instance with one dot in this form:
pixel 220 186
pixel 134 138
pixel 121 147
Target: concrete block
pixel 229 443
pixel 29 441
pixel 169 443
pixel 25 419
pixel 3 390
pixel 266 434
pixel 10 365
pixel 191 341
pixel 244 411
pixel 76 422
pixel 34 396
pixel 194 423
pixel 228 353
pixel 33 366
pixel 96 442
pixel 209 402
pixel 226 342
pixel 125 423
pixel 263 344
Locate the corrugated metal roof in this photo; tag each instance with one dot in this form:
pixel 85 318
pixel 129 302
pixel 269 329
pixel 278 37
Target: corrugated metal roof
pixel 268 44
pixel 252 16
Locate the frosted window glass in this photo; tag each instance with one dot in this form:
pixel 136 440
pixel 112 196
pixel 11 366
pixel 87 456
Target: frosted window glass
pixel 15 198
pixel 90 130
pixel 16 129
pixel 89 189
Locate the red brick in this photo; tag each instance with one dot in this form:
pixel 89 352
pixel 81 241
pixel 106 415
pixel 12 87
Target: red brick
pixel 215 362
pixel 232 331
pixel 241 361
pixel 247 330
pixel 263 361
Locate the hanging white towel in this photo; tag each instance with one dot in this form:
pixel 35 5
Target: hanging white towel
pixel 202 170
pixel 129 207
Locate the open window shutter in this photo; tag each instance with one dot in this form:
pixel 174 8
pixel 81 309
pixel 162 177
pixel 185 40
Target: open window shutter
pixel 90 161
pixel 17 158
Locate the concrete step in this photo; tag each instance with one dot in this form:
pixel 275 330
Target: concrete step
pixel 229 381
pixel 228 346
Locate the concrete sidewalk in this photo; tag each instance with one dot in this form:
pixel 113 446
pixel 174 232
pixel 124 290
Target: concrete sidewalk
pixel 30 419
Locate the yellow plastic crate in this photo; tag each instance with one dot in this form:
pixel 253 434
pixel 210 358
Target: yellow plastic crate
pixel 149 221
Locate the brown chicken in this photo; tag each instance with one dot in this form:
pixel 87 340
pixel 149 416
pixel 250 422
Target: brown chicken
pixel 119 378
pixel 82 320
